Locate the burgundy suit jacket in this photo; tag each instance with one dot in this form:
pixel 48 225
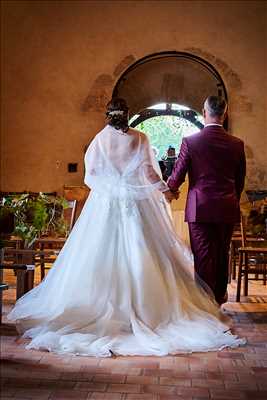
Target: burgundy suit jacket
pixel 216 166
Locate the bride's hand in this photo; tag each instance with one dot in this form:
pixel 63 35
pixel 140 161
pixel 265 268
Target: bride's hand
pixel 169 195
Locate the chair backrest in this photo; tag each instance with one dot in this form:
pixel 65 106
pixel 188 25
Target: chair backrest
pixel 26 256
pixel 2 255
pixel 70 213
pixel 237 230
pixel 243 226
pixel 78 193
pixel 18 256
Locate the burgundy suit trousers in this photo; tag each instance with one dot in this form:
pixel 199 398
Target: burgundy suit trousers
pixel 210 244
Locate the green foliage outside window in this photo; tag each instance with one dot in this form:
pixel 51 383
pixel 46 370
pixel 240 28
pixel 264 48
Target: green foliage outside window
pixel 165 131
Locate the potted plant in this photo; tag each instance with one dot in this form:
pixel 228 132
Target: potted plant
pixel 30 216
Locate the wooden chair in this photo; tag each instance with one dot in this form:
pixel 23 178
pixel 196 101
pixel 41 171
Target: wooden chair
pixel 236 243
pixel 23 263
pixel 48 244
pixel 78 193
pixel 70 213
pixel 252 260
pixel 11 242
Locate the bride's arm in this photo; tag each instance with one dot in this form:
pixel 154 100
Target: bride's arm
pixel 91 163
pixel 153 177
pixel 151 168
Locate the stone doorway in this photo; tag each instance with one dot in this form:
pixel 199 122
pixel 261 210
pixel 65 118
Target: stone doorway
pixel 169 77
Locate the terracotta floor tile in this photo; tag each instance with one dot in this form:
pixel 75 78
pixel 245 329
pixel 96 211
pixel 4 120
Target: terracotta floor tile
pixel 129 363
pixel 109 378
pixel 159 389
pixel 124 388
pixel 173 397
pixel 221 376
pixel 7 391
pixel 165 380
pixel 69 395
pixel 255 395
pixel 232 355
pixel 193 392
pixel 94 370
pixel 142 379
pixel 208 383
pixel 73 376
pixel 57 385
pixel 249 385
pixel 227 394
pixel 159 372
pixel 22 383
pixel 15 398
pixel 262 385
pixel 32 394
pixel 260 370
pixel 105 396
pixel 141 396
pixel 91 386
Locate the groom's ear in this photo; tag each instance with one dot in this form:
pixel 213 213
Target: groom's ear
pixel 204 112
pixel 225 115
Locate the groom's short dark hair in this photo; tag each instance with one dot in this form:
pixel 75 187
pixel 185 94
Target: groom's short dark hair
pixel 216 106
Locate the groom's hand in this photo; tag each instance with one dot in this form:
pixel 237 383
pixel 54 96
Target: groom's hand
pixel 170 195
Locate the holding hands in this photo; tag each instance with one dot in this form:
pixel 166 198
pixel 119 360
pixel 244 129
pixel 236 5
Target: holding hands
pixel 170 195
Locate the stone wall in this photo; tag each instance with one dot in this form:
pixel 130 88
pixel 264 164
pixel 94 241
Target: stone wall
pixel 62 59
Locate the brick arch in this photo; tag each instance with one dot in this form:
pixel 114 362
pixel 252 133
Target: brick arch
pixel 170 77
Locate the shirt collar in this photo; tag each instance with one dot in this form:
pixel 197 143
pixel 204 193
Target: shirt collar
pixel 213 125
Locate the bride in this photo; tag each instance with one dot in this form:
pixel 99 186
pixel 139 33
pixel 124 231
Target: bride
pixel 123 283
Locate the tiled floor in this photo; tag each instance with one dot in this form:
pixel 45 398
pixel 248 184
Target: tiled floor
pixel 229 374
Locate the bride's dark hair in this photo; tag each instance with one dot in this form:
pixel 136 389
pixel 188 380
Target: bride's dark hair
pixel 117 114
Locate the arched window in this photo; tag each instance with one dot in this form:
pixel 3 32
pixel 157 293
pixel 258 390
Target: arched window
pixel 166 124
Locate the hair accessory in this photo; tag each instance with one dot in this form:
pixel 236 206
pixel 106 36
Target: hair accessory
pixel 116 112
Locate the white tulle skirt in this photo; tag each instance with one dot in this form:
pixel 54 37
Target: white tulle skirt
pixel 123 283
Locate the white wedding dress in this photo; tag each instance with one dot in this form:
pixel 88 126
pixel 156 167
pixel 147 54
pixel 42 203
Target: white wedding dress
pixel 123 283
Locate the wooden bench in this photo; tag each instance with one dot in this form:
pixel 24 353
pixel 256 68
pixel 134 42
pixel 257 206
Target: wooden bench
pixel 23 262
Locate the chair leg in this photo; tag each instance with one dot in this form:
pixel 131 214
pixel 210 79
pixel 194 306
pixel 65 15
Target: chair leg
pixel 1 305
pixel 234 270
pixel 30 280
pixel 42 264
pixel 42 270
pixel 25 282
pixel 246 276
pixel 239 278
pixel 232 267
pixel 21 283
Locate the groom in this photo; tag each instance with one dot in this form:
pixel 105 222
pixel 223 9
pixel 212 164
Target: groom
pixel 216 166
